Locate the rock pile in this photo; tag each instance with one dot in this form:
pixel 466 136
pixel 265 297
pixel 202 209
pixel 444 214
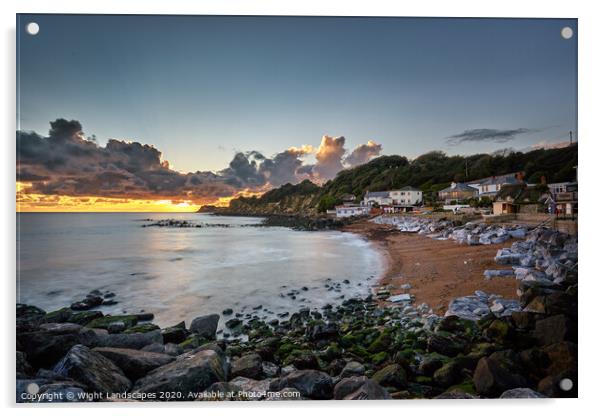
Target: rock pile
pixel 470 233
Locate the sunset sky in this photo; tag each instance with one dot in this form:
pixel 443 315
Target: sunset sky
pixel 241 104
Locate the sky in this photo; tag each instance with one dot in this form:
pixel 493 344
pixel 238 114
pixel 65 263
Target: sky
pixel 204 89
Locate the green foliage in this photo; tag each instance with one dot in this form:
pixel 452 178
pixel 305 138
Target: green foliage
pixel 430 172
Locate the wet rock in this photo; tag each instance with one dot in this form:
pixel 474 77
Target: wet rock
pixel 175 334
pixel 29 317
pixel 190 372
pixel 269 369
pixel 456 394
pixel 251 389
pixel 287 393
pixel 352 369
pixel 249 366
pixel 93 370
pixel 205 326
pixel 445 344
pixel 24 370
pixel 497 373
pixel 367 390
pixel 522 393
pixel 89 302
pixel 61 328
pixel 311 383
pixel 134 363
pixel 134 341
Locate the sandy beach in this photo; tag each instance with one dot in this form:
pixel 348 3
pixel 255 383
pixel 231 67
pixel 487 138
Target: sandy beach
pixel 437 271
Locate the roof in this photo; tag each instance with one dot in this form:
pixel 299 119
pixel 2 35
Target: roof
pixel 459 187
pixel 409 188
pixel 380 194
pixel 508 178
pixel 520 193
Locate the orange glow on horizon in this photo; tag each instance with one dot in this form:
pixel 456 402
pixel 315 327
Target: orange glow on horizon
pixel 32 202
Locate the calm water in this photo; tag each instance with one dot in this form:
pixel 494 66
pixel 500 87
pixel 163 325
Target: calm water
pixel 181 273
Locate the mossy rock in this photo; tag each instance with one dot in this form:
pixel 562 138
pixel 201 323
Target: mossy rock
pixel 302 360
pixel 424 380
pixel 59 316
pixel 348 340
pixel 142 328
pixel 193 341
pixel 360 351
pixel 381 343
pixel 105 321
pixel 466 387
pixel 379 357
pixel 499 331
pixel 85 317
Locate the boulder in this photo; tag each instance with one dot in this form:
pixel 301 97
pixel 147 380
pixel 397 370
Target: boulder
pixel 249 365
pixel 134 341
pixel 445 344
pixel 522 393
pixel 368 390
pixel 190 372
pixel 352 369
pixel 44 349
pixel 554 329
pixel 497 373
pixel 134 363
pixel 24 370
pixel 175 334
pixel 61 328
pixel 311 383
pixel 392 375
pixel 205 326
pixel 93 370
pixel 251 389
pixel 29 317
pixel 562 356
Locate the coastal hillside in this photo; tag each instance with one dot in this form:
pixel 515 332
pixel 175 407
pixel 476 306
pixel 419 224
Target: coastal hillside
pixel 430 172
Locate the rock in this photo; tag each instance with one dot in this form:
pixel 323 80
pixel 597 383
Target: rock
pixel 85 317
pixel 233 323
pixel 347 386
pixel 368 390
pixel 61 328
pixel 116 327
pixel 91 301
pixel 430 364
pixel 221 391
pixel 93 370
pixel 498 273
pixel 28 317
pixel 44 349
pixel 251 389
pixel 448 375
pixel 323 331
pixel 173 349
pixel 554 329
pixel 134 341
pixel 116 323
pixel 497 373
pixel 269 369
pixel 455 394
pixel 392 375
pixel 249 365
pixel 205 326
pixel 404 297
pixel 24 370
pixel 190 372
pixel 175 334
pixel 352 369
pixel 59 316
pixel 311 383
pixel 562 356
pixel 134 364
pixel 446 345
pixel 522 393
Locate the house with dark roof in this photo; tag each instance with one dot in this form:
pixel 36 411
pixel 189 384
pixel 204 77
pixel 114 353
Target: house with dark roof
pixel 490 186
pixel 458 191
pixel 521 198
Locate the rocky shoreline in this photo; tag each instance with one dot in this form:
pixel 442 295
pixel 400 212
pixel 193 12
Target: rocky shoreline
pixel 360 349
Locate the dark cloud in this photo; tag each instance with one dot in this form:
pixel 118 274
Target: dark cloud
pixel 66 162
pixel 363 153
pixel 487 135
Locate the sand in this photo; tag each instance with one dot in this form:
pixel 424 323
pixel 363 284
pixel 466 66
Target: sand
pixel 438 271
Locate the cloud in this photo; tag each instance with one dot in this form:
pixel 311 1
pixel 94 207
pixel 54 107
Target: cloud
pixel 363 153
pixel 67 163
pixel 544 144
pixel 487 135
pixel 329 157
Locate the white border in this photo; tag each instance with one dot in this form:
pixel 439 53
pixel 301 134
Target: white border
pixel 590 68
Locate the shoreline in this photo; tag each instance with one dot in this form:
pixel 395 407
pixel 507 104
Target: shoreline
pixel 437 270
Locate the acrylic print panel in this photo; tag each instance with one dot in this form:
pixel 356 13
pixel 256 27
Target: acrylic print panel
pixel 285 208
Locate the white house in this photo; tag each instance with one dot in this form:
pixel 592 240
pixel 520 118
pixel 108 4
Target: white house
pixel 406 196
pixel 377 198
pixel 344 211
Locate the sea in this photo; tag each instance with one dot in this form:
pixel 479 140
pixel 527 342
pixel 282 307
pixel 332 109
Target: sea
pixel 181 273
